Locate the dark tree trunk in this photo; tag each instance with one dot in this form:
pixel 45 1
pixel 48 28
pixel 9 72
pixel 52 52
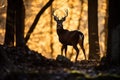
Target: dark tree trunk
pixel 113 49
pixel 15 23
pixel 93 29
pixel 10 23
pixel 20 16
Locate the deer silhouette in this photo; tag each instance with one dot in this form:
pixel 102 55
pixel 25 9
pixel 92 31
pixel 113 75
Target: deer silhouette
pixel 67 37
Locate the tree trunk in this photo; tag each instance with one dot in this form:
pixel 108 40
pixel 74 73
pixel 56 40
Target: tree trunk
pixel 113 45
pixel 93 29
pixel 20 16
pixel 15 23
pixel 10 23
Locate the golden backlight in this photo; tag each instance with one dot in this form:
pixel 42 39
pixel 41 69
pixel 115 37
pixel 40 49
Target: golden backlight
pixel 44 38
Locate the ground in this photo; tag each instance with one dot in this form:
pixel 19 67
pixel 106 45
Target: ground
pixel 25 64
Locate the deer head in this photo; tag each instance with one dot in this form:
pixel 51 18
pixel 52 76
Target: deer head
pixel 60 22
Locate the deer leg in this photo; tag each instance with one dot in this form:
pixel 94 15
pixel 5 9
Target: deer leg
pixel 64 47
pixel 82 47
pixel 62 50
pixel 77 50
pixel 83 51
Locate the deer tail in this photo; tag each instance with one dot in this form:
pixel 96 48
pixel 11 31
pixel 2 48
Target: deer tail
pixel 81 43
pixel 81 39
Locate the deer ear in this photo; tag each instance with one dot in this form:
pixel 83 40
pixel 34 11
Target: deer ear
pixel 56 18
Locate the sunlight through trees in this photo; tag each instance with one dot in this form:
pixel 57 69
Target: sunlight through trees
pixel 44 34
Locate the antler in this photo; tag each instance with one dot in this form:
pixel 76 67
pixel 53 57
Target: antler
pixel 66 12
pixel 63 18
pixel 55 17
pixel 53 12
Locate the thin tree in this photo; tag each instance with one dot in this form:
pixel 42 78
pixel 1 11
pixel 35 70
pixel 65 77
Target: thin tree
pixel 37 19
pixel 81 11
pixel 51 32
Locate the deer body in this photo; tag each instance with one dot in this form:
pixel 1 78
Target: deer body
pixel 67 37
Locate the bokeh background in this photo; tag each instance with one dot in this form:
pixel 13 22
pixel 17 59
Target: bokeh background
pixel 44 38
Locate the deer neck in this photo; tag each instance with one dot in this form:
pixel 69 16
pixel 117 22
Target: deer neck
pixel 60 29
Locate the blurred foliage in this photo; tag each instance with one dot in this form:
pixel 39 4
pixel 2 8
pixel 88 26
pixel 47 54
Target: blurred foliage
pixel 42 38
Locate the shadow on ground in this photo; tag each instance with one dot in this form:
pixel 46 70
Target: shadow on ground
pixel 25 64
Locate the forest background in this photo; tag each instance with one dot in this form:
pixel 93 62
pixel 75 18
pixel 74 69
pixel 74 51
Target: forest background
pixel 44 38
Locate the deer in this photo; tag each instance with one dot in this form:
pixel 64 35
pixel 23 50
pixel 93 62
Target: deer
pixel 67 37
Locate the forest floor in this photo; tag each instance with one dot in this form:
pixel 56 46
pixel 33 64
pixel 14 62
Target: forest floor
pixel 26 64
